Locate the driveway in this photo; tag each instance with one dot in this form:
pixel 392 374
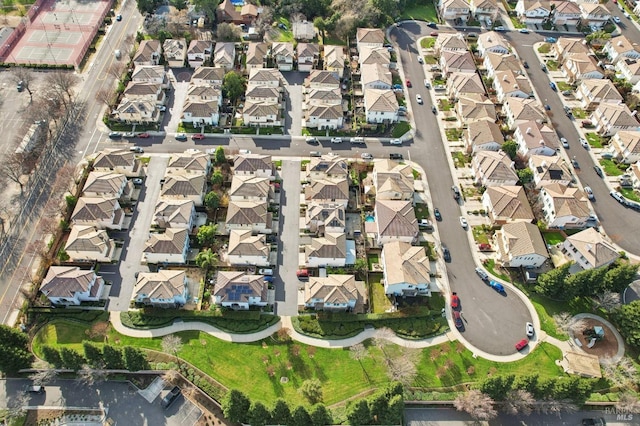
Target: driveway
pixel 175 101
pixel 614 218
pixel 293 112
pixel 286 281
pixel 134 241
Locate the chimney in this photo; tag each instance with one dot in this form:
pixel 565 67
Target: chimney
pixel 589 248
pixel 515 86
pixel 528 130
pixel 542 142
pixel 619 43
pixel 504 77
pixel 544 164
pixel 635 111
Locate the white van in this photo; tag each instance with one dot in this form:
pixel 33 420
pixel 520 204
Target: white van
pixel 356 140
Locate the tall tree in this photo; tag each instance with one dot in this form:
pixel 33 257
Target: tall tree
pixel 93 354
pixel 212 201
pixel 206 259
pixel 216 178
pixel 113 357
pixel 551 284
pixel 172 344
pixel 51 355
pixel 208 7
pixel 477 404
pixel 300 416
pixel 359 352
pixel 259 415
pixel 510 148
pixel 61 84
pixel 228 32
pixel 71 359
pixel 628 321
pixel 233 85
pixel 320 415
pixel 43 377
pixel 14 350
pixel 281 414
pixel 358 413
pixel 207 234
pixel 518 402
pixel 134 359
pixel 220 157
pixel 24 75
pixel 235 406
pixel 619 277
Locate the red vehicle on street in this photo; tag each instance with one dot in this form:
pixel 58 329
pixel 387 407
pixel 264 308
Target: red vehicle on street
pixel 144 135
pixel 522 344
pixel 408 83
pixel 455 301
pixel 197 136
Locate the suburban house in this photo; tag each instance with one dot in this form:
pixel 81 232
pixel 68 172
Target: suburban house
pixel 175 52
pixel 341 293
pixel 610 118
pixel 594 14
pixel 621 48
pixel 454 10
pixel 381 106
pixel 375 76
pixel 395 221
pixel 174 214
pixel 256 55
pixel 550 169
pixel 334 59
pixel 451 42
pixel 508 84
pixel 369 37
pixel 498 62
pixel 319 79
pixel 634 170
pixel 325 218
pixel 184 186
pixel 392 180
pixel 137 91
pixel 119 161
pixel 327 191
pixel 464 83
pixel 137 111
pixel 239 290
pixel 211 76
pixel 564 207
pixel 166 288
pixel 89 244
pixel 101 212
pixel 331 249
pixel 374 55
pixel 629 70
pixel 453 61
pixel 520 111
pixel 224 55
pixel 589 249
pixel 251 215
pixel 520 245
pixel 564 47
pixel 148 53
pixel 483 135
pixel 566 13
pixel 536 139
pixel 226 12
pixel 491 41
pixel 247 249
pixel 507 204
pixel 251 188
pixel 472 106
pixel 592 93
pixel 267 77
pixel 324 116
pixel 581 66
pixel 407 271
pixel 150 74
pixel 485 10
pixel 308 54
pixel 70 285
pixel 107 185
pixel 283 54
pixel 199 52
pixel 253 165
pixel 318 97
pixel 258 114
pixel 303 30
pixel 170 246
pixel 202 105
pixel 190 161
pixel 625 146
pixel 532 12
pixel 491 168
pixel 327 166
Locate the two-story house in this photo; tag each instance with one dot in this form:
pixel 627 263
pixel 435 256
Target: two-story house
pixel 564 47
pixel 307 54
pixel 175 52
pixel 375 76
pixel 520 245
pixel 507 204
pixel 566 13
pixel 150 74
pixel 621 47
pixel 629 70
pixel 70 286
pixel 251 188
pixel 254 165
pixel 249 215
pixel 520 110
pixel 247 249
pixel 325 218
pixel 534 138
pixel 174 214
pixel 239 290
pixel 224 55
pixel 457 11
pixel 581 66
pixel 454 61
pixel 283 55
pixel 334 60
pixel 369 37
pixel 610 118
pixel 492 41
pixel 192 161
pixel 472 106
pixel 166 288
pixel 533 12
pixel 107 184
pixel 148 53
pixel 395 220
pixel 464 83
pixel 508 84
pixel 101 212
pixel 592 93
pixel 549 169
pixel 407 270
pixel 392 180
pixel 452 42
pixel 137 111
pixel 594 15
pixel 625 146
pixel 336 293
pixel 589 249
pixel 485 10
pixel 327 191
pixel 492 168
pixel 381 106
pixel 211 76
pixel 482 135
pixel 257 54
pixel 119 161
pixel 331 249
pixel 87 243
pixel 564 207
pixel 202 105
pixel 170 246
pixel 199 52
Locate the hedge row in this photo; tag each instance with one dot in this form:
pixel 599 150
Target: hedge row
pixel 235 323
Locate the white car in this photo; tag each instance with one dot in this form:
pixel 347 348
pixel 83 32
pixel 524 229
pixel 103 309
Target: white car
pixel 529 329
pixel 589 192
pixel 584 143
pixel 336 140
pixel 395 142
pixel 265 271
pixel 420 60
pixel 366 156
pixel 626 15
pixel 419 99
pixel 565 142
pixel 463 222
pixel 616 20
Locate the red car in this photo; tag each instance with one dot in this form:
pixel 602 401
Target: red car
pixel 434 34
pixel 144 135
pixel 522 344
pixel 408 83
pixel 197 136
pixel 455 301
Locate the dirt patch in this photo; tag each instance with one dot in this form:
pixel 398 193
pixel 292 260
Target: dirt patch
pixel 607 347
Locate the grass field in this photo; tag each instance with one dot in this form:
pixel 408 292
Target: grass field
pixel 594 140
pixel 428 42
pixel 610 167
pixel 400 129
pixel 420 10
pixel 552 238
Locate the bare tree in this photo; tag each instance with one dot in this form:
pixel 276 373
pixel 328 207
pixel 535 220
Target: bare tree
pixel 42 377
pixel 172 344
pixel 105 96
pixel 62 84
pixel 607 301
pixel 17 405
pixel 264 21
pixel 567 323
pixel 171 376
pixel 227 32
pixel 477 404
pixel 91 376
pixel 190 391
pixel 24 75
pixel 284 334
pixel 557 407
pixel 359 352
pixel 519 401
pixel 622 373
pixel 13 169
pixel 403 369
pixel 628 403
pixel 382 339
pixel 99 329
pixel 117 70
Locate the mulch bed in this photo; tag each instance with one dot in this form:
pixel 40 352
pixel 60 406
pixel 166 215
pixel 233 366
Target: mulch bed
pixel 604 348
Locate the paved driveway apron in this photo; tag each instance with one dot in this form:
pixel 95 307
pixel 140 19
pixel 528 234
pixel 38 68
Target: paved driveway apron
pixel 286 280
pixel 138 233
pixel 493 322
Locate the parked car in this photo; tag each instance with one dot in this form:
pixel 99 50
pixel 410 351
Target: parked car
pixel 162 108
pixel 312 141
pixel 455 300
pixel 496 286
pixel 457 320
pixel 522 344
pixel 567 93
pixel 129 135
pixel 547 107
pixel 366 156
pixel 543 67
pixel 434 34
pixel 197 136
pixel 553 86
pixel 395 142
pixel 302 274
pixel 617 20
pixel 420 60
pixel 523 31
pixel 598 171
pixel 266 271
pixel 484 247
pixel 115 135
pixel 425 224
pixel 594 421
pixel 20 86
pixel 434 109
pixel 618 197
pixel 432 25
pixel 336 140
pixel 34 389
pixel 408 83
pixel 584 143
pixel 525 64
pixel 565 142
pixel 482 274
pixel 315 154
pixel 419 99
pixel 529 329
pixel 463 222
pixel 137 149
pixel 446 254
pixel 500 28
pixel 170 397
pixel 144 135
pixel 137 181
pixel 575 163
pixel 118 18
pixel 356 140
pixel 436 214
pixel 181 137
pixel 396 156
pixel 456 192
pixel 589 192
pixel 268 279
pixel 427 84
pixel 550 39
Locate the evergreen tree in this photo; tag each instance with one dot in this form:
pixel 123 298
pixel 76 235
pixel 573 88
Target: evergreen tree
pixel 281 414
pixel 320 415
pixel 52 356
pixel 14 350
pixel 93 354
pixel 358 413
pixel 71 359
pixel 235 406
pixel 259 415
pixel 300 417
pixel 112 357
pixel 134 359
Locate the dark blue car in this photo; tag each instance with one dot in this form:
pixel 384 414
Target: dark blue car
pixel 497 286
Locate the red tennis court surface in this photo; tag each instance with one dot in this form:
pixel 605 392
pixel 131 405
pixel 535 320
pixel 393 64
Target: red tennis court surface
pixel 55 32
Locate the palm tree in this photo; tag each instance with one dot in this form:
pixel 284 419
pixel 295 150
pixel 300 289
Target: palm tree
pixel 206 259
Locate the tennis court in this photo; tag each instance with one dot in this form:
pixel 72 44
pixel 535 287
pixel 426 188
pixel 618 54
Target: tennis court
pixel 33 54
pixel 54 37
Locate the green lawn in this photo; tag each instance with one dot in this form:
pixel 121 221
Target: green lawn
pixel 562 86
pixel 579 113
pixel 430 60
pixel 427 42
pixel 610 167
pixel 422 211
pixel 553 66
pixel 420 10
pixel 479 235
pixel 490 266
pixel 371 259
pixel 594 140
pixel 444 104
pixel 460 158
pixel 544 48
pixel 631 194
pixel 552 237
pixel 453 134
pixel 400 129
pixel 380 302
pixel 516 22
